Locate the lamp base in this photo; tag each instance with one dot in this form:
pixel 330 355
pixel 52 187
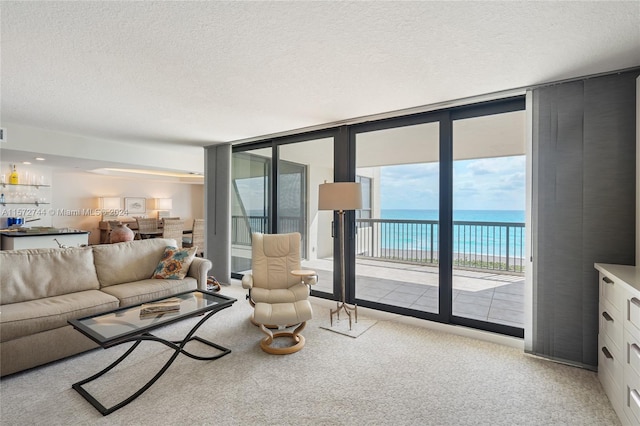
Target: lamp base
pixel 347 309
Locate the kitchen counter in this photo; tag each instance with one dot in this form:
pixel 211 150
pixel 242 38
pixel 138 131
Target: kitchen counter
pixel 25 238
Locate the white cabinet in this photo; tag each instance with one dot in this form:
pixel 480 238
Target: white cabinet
pixel 619 339
pixel 24 240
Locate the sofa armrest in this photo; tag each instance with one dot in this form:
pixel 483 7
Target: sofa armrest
pixel 198 270
pixel 247 281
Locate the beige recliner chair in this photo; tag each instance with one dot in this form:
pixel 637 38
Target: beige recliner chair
pixel 280 298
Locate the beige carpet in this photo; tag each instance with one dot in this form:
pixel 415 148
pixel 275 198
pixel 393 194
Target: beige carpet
pixel 393 374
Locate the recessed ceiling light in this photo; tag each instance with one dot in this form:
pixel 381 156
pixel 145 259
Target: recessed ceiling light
pixel 26 162
pixel 39 159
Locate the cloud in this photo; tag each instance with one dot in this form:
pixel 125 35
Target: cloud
pixel 513 181
pixel 497 165
pixel 482 184
pixel 410 186
pixel 409 172
pixel 490 184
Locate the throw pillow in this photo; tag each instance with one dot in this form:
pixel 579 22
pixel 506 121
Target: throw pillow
pixel 175 263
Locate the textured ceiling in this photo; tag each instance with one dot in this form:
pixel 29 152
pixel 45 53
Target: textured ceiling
pixel 203 72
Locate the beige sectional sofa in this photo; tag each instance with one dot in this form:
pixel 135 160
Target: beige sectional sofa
pixel 41 289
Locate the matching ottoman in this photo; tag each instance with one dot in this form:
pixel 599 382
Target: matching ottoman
pixel 282 314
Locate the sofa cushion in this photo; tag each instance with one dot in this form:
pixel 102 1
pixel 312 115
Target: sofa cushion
pixel 34 316
pixel 145 290
pixel 175 263
pixel 38 273
pixel 128 262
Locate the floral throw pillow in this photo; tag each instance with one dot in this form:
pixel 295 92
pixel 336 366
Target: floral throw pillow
pixel 175 263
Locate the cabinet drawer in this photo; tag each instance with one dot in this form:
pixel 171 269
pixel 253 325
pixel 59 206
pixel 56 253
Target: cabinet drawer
pixel 611 291
pixel 631 406
pixel 632 355
pixel 612 325
pixel 613 391
pixel 633 305
pixel 610 361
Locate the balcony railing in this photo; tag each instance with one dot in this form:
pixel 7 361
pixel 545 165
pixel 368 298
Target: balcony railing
pixel 496 246
pixel 243 226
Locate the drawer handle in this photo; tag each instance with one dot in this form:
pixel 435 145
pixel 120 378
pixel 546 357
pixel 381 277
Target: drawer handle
pixel 635 301
pixel 606 352
pixel 635 349
pixel 607 280
pixel 636 397
pixel 606 316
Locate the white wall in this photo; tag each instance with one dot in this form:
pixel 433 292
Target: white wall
pixel 73 194
pixel 72 198
pixel 75 191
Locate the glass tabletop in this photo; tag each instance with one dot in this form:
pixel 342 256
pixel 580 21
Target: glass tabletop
pixel 121 323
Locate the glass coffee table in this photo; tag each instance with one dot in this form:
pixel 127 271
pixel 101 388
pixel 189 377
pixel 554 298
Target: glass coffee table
pixel 135 323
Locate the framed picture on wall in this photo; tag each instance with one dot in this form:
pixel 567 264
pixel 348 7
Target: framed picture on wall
pixel 135 205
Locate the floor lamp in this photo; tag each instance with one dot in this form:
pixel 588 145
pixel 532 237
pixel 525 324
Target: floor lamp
pixel 341 196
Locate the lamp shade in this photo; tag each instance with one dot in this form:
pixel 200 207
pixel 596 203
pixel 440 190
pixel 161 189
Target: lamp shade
pixel 340 196
pixel 109 203
pixel 164 203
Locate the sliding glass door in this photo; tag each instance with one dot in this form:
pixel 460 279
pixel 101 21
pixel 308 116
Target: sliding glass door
pixel 489 171
pixel 250 203
pixel 397 229
pixel 275 190
pixel 292 200
pixel 441 233
pixel 302 167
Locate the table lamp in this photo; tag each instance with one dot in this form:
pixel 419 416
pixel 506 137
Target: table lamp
pixel 164 205
pixel 109 207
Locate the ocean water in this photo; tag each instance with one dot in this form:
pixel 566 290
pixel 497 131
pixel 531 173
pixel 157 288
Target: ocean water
pixel 476 235
pixel 461 215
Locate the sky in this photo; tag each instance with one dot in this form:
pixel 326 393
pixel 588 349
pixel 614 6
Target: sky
pixel 481 184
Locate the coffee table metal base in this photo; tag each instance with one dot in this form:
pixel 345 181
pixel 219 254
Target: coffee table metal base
pixel 177 345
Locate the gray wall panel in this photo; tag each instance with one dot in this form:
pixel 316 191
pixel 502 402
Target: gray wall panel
pixel 583 206
pixel 218 210
pixel 609 191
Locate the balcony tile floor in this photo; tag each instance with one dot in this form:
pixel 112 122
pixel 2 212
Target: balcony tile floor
pixel 481 295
